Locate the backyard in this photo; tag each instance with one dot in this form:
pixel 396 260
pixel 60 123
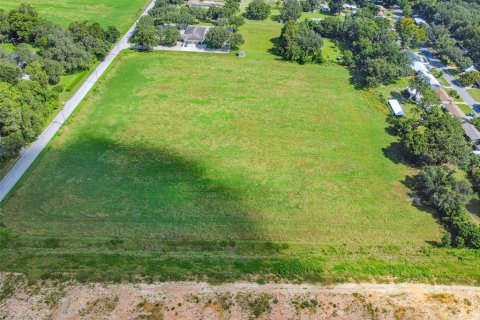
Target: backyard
pixel 198 166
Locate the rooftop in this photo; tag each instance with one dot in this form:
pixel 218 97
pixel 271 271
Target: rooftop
pixel 195 34
pixel 471 131
pixel 206 4
pixel 419 21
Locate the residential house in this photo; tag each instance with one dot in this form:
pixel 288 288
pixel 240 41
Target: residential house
pixel 194 34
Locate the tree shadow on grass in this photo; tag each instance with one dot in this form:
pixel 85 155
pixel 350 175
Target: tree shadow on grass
pixel 474 207
pixel 274 50
pixel 356 79
pixel 134 212
pixel 275 18
pixel 98 187
pixel 394 152
pixel 411 182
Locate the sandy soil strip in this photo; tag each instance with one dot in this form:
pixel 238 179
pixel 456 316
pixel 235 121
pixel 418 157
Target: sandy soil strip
pixel 235 301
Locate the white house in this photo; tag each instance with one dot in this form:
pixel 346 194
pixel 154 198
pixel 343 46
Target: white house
pixel 422 70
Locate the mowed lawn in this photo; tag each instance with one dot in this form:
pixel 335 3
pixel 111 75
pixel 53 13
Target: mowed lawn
pixel 119 13
pixel 197 166
pixel 192 146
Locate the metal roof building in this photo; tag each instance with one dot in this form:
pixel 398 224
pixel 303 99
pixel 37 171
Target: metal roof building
pixel 396 108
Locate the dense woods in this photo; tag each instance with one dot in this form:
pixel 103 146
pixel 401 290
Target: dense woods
pixel 29 76
pixel 454 24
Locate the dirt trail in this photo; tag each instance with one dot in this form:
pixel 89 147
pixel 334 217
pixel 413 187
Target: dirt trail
pixel 235 301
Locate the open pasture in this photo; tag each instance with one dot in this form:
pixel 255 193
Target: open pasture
pixel 119 13
pixel 198 166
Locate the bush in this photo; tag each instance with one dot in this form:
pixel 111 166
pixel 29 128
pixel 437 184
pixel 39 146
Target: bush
pixel 446 240
pixel 291 10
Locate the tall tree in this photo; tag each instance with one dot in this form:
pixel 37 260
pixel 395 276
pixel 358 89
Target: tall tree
pixel 410 34
pixel 258 10
pixel 217 37
pixel 22 23
pixel 291 10
pixel 146 33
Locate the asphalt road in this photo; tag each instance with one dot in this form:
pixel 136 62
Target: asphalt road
pixel 461 90
pixel 30 153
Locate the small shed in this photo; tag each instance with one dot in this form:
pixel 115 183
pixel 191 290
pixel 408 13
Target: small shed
pixel 396 108
pixel 241 54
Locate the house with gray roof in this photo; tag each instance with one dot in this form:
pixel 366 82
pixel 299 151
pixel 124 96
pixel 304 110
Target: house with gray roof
pixel 471 132
pixel 195 34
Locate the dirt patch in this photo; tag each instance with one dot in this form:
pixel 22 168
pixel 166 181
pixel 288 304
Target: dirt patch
pixel 235 301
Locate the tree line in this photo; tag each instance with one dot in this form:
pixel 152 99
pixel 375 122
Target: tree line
pixel 434 142
pixel 161 25
pixel 30 75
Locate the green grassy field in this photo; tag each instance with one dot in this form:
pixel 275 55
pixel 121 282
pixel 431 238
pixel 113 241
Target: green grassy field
pixel 198 166
pixel 119 13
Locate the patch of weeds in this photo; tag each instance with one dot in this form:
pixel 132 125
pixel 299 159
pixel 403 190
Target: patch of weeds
pixel 257 305
pixel 192 298
pixel 304 302
pixel 298 268
pixel 99 305
pixel 51 243
pixel 357 295
pixel 155 310
pixel 225 300
pixel 443 297
pixel 372 312
pixel 8 287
